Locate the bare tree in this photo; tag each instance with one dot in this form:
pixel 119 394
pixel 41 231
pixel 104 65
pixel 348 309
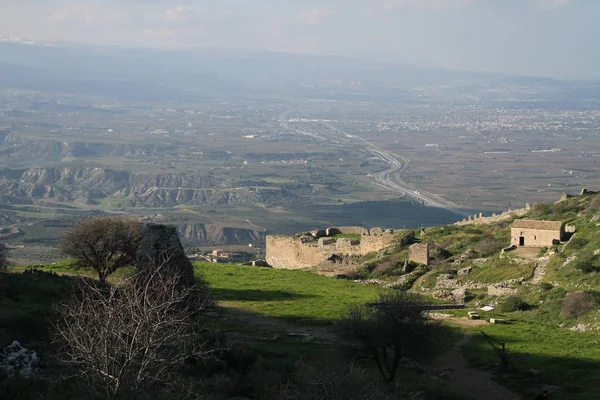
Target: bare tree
pixel 103 244
pixel 392 330
pixel 125 339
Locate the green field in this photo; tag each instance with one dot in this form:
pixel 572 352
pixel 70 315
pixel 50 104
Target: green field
pixel 293 295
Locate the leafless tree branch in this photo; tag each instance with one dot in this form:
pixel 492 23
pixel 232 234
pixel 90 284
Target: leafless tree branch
pixel 130 337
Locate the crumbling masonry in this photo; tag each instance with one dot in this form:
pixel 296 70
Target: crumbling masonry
pixel 320 246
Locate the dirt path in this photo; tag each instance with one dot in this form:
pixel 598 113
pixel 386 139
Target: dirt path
pixel 416 287
pixel 540 270
pixel 473 383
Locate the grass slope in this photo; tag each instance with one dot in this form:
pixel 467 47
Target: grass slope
pixel 567 363
pixel 293 295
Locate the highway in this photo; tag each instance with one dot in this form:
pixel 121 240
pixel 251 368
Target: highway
pixel 391 178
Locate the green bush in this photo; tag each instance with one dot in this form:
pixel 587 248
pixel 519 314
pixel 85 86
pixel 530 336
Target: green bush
pixel 541 209
pixel 578 243
pixel 546 286
pixel 488 245
pixel 556 293
pixel 588 263
pixel 441 253
pixel 388 267
pixel 514 303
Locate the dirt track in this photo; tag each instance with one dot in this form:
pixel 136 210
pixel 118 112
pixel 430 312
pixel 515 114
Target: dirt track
pixel 473 383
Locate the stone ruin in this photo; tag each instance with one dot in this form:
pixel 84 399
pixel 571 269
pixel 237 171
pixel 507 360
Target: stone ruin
pixel 160 247
pixel 479 219
pixel 419 253
pixel 317 248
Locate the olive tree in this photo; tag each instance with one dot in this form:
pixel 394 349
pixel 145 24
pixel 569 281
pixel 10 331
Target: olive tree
pixel 103 244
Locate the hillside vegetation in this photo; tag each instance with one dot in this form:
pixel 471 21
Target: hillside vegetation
pixel 550 297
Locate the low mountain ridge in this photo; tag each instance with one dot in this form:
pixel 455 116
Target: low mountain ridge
pixel 130 189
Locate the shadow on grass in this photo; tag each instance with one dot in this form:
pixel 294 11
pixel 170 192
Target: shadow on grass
pixel 26 301
pixel 531 371
pixel 254 295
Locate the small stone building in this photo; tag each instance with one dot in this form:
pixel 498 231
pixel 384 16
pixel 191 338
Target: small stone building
pixel 533 233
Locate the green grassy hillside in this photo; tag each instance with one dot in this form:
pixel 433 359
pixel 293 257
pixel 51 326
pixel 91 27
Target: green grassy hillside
pixel 292 295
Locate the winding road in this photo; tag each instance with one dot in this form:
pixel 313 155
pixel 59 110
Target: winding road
pixel 391 178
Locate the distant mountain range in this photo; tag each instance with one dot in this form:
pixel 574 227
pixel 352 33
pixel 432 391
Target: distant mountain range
pixel 147 74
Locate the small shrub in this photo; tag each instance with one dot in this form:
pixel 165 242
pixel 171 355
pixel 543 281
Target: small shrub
pixel 578 243
pixel 546 286
pixel 588 263
pixel 441 253
pixel 385 267
pixel 514 303
pixel 358 274
pixel 577 304
pixel 561 209
pixel 541 209
pixel 488 245
pixel 556 293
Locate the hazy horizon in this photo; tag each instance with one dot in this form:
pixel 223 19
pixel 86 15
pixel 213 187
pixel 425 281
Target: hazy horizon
pixel 554 38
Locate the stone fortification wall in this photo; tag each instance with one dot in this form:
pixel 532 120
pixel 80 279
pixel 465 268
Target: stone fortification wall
pixel 347 230
pixel 288 252
pixel 584 191
pixel 480 219
pixel 370 243
pixel 310 249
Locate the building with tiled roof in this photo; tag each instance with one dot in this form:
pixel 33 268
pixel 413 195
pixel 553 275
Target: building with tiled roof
pixel 535 233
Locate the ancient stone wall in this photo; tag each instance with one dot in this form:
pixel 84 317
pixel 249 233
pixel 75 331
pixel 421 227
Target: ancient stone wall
pixel 352 230
pixel 287 252
pixel 419 253
pixel 370 243
pixel 308 250
pixel 479 219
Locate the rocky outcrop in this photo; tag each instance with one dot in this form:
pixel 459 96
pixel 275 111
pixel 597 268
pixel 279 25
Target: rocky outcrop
pixel 215 234
pixel 152 196
pixel 457 295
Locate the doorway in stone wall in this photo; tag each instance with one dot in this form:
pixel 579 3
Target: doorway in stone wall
pixel 521 241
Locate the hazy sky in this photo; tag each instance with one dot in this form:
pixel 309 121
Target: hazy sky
pixel 558 38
